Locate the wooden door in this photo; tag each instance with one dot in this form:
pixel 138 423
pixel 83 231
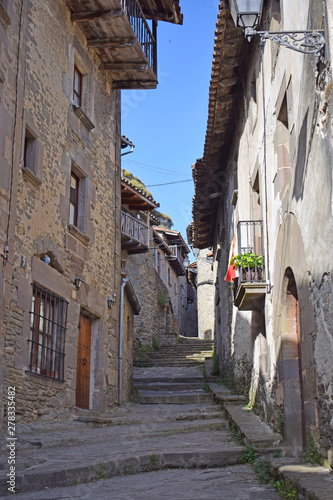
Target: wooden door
pixel 83 362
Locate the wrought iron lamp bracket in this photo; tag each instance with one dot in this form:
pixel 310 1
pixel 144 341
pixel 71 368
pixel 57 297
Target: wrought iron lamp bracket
pixel 306 42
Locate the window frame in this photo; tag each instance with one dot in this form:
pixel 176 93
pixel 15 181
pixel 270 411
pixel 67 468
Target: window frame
pixel 48 325
pixel 74 199
pixel 77 96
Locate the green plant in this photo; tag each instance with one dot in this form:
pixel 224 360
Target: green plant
pixel 206 387
pixel 77 482
pixel 286 489
pixel 163 298
pixel 100 473
pixel 262 468
pixel 155 344
pixel 237 434
pixel 142 351
pixel 249 455
pixel 246 260
pixel 311 455
pixel 129 472
pixel 216 365
pixel 153 459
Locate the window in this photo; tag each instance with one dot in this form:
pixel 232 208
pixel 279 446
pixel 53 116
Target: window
pixel 77 87
pixel 158 263
pixel 32 157
pixel 169 276
pixel 48 317
pixel 74 200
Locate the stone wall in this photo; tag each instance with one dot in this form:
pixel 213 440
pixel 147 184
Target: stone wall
pixel 205 295
pixel 157 319
pixel 90 250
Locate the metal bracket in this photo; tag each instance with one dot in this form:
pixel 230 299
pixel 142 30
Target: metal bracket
pixel 5 255
pixel 306 42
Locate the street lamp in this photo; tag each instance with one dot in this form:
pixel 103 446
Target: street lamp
pixel 246 14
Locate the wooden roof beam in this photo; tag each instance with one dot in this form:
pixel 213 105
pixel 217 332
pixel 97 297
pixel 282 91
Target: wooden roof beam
pixel 128 66
pixel 79 17
pixel 109 43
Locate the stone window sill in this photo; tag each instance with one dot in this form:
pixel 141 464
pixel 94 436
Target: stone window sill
pixel 4 17
pixel 30 176
pixel 42 380
pixel 78 234
pixel 83 117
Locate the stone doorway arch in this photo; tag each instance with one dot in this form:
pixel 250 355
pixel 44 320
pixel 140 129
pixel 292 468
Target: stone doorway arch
pixel 290 366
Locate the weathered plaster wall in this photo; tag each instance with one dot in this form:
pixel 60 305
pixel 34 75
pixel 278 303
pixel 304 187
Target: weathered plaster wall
pixel 296 204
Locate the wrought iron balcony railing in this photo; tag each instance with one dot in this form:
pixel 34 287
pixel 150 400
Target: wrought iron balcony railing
pixel 134 229
pixel 250 285
pixel 142 31
pixel 250 260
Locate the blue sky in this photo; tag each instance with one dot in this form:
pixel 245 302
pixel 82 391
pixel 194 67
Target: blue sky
pixel 168 125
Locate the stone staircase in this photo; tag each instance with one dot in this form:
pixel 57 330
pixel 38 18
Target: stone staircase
pixel 189 351
pixel 174 374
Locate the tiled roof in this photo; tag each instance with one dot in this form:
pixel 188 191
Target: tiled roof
pixel 142 193
pixel 207 177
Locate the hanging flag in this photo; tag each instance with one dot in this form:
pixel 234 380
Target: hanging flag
pixel 232 273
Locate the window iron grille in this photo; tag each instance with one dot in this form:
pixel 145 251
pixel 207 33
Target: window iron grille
pixel 48 319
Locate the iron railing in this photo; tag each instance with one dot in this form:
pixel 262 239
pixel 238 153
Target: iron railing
pixel 250 260
pixel 134 228
pixel 142 31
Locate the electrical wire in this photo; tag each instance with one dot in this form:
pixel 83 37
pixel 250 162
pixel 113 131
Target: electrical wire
pixel 151 168
pixel 168 183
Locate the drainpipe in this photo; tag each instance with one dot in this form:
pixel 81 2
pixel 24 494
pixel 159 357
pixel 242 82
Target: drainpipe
pixel 121 324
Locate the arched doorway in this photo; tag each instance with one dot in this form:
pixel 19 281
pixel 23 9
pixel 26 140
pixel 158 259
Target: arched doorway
pixel 290 366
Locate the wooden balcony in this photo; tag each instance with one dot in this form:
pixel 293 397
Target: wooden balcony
pixel 176 260
pixel 134 234
pixel 118 31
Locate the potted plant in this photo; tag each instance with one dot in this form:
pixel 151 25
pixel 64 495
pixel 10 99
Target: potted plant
pixel 250 264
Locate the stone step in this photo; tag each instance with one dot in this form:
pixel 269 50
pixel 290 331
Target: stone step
pixel 257 432
pixel 68 474
pixel 172 397
pixel 162 386
pixel 167 363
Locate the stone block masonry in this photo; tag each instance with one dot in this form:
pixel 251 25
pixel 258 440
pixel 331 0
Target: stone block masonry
pixel 51 143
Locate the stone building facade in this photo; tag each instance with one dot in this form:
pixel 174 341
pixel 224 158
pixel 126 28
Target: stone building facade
pixel 170 253
pixel 205 294
pixel 60 203
pixel 264 195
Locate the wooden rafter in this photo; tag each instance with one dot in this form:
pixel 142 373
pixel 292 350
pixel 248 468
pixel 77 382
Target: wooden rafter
pixel 113 66
pixel 79 17
pixel 109 43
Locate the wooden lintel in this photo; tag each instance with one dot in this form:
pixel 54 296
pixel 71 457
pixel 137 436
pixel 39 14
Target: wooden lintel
pixel 128 66
pixel 78 17
pixel 108 43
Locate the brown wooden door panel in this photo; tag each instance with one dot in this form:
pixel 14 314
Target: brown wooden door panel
pixel 83 362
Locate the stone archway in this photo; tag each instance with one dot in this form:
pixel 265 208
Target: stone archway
pixel 290 366
pixel 293 330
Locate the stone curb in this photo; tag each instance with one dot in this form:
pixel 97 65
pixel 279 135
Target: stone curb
pixel 312 482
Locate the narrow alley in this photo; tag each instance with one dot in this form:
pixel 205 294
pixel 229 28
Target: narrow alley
pixel 173 442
